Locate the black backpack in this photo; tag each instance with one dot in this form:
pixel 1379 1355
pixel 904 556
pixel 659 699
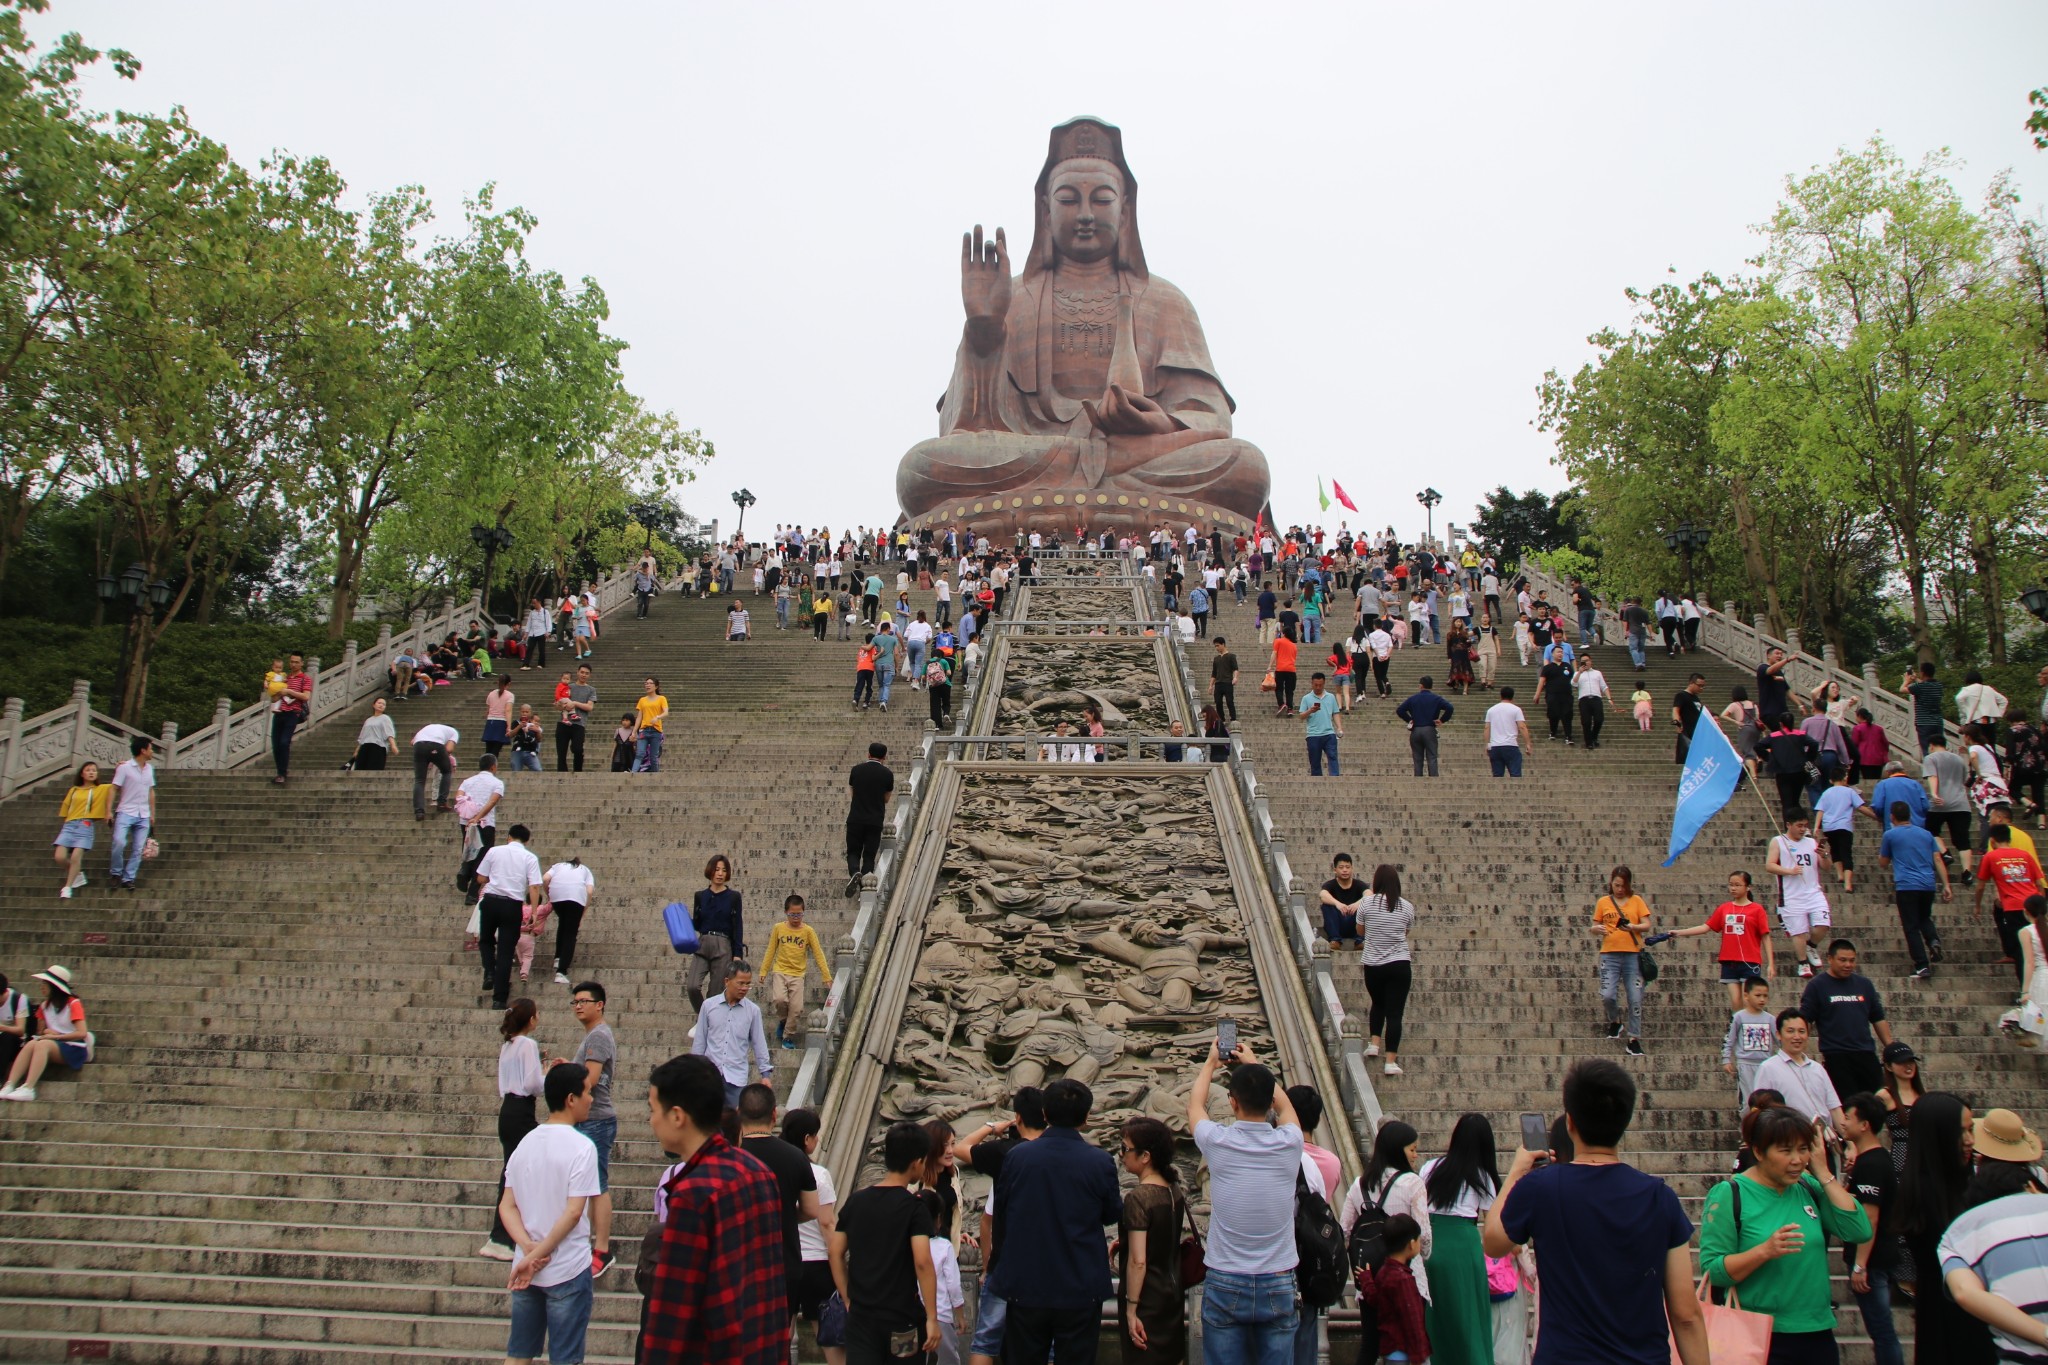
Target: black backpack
pixel 1368 1245
pixel 1321 1267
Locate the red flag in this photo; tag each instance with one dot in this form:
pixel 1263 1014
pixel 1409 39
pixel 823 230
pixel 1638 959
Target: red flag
pixel 1338 489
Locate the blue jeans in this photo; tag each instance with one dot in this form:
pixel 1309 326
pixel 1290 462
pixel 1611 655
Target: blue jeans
pixel 1638 648
pixel 1586 626
pixel 1876 1307
pixel 1338 926
pixel 558 1314
pixel 1826 762
pixel 525 760
pixel 1313 625
pixel 649 760
pixel 781 613
pixel 883 677
pixel 1617 969
pixel 131 832
pixel 1248 1319
pixel 1319 748
pixel 1307 1336
pixel 916 648
pixel 1506 760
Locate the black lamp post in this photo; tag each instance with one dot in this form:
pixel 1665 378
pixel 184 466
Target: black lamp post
pixel 745 500
pixel 490 539
pixel 144 596
pixel 1685 539
pixel 1429 498
pixel 2035 600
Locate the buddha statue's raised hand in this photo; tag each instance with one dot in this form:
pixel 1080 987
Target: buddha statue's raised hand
pixel 985 288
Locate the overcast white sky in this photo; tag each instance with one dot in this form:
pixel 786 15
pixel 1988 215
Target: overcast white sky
pixel 1392 219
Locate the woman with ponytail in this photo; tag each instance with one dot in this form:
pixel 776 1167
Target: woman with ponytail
pixel 520 1079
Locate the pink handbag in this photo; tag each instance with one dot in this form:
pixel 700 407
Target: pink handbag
pixel 1734 1336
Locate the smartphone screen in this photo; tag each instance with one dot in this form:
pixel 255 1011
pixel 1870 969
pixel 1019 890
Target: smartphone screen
pixel 1535 1133
pixel 1226 1039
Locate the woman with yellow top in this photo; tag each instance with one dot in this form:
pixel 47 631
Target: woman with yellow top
pixel 651 710
pixel 86 800
pixel 1621 918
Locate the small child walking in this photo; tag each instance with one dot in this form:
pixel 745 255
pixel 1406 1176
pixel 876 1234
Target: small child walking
pixel 625 743
pixel 1525 640
pixel 532 920
pixel 1752 1039
pixel 1391 1291
pixel 792 945
pixel 1644 708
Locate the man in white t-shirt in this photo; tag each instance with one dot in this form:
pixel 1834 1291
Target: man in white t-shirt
pixel 1253 1165
pixel 134 811
pixel 942 593
pixel 1595 701
pixel 433 746
pixel 476 805
pixel 1380 645
pixel 1795 859
pixel 549 1183
pixel 507 879
pixel 1507 735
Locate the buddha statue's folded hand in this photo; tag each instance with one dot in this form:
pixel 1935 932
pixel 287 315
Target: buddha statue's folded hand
pixel 1128 414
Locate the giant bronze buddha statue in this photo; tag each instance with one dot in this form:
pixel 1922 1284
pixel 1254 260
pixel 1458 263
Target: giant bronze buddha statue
pixel 1083 393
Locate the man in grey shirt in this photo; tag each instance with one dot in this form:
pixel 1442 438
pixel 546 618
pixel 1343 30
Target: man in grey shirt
pixel 599 1053
pixel 575 720
pixel 1253 1165
pixel 1948 800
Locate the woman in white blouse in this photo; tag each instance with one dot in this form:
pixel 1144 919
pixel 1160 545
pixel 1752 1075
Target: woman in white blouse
pixel 1390 1183
pixel 1461 1185
pixel 520 1081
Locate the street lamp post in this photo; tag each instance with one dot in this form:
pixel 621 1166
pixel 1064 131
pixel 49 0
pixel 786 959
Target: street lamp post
pixel 2035 600
pixel 144 597
pixel 1685 539
pixel 1429 498
pixel 490 539
pixel 744 499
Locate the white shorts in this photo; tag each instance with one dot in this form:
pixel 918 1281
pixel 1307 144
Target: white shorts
pixel 1804 919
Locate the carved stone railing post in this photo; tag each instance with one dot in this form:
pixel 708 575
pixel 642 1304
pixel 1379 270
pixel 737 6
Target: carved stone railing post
pixel 1792 641
pixel 167 746
pixel 81 717
pixel 223 708
pixel 10 730
pixel 348 673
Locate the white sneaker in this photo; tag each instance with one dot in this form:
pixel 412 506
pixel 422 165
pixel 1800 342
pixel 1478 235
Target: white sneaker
pixel 78 881
pixel 495 1252
pixel 23 1093
pixel 7 1091
pixel 1805 970
pixel 65 894
pixel 1392 1068
pixel 561 980
pixel 1372 1049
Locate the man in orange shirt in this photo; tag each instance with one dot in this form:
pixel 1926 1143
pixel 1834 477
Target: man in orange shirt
pixel 2017 876
pixel 1284 652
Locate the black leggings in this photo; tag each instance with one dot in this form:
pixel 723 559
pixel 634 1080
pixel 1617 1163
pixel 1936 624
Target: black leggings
pixel 1388 987
pixel 1283 689
pixel 515 1121
pixel 568 923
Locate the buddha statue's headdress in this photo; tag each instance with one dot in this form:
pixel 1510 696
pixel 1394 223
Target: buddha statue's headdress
pixel 1086 139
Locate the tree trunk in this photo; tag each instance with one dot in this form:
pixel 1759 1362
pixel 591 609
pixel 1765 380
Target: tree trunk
pixel 1754 560
pixel 1984 555
pixel 348 564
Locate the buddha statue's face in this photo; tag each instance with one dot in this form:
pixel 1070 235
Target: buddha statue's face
pixel 1087 209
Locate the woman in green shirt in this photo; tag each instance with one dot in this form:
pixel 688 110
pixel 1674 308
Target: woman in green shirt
pixel 1763 1234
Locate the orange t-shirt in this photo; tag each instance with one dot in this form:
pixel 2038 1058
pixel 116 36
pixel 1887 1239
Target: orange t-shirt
pixel 1284 651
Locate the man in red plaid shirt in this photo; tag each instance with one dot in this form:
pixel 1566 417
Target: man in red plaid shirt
pixel 717 1293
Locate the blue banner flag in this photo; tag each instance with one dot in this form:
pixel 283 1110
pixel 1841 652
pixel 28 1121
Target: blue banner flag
pixel 1711 772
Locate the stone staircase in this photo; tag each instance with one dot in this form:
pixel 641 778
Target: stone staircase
pixel 286 1149
pixel 1504 874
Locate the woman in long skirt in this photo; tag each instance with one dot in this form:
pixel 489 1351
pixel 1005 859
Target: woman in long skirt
pixel 1461 1184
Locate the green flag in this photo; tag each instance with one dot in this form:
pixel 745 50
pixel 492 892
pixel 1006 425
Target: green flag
pixel 1321 496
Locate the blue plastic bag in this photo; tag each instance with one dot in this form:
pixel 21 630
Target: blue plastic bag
pixel 682 934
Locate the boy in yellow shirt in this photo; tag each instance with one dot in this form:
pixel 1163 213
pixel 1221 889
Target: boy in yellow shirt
pixel 785 963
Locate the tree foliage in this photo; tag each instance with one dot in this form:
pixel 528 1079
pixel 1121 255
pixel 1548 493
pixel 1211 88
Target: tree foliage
pixel 1859 420
pixel 230 368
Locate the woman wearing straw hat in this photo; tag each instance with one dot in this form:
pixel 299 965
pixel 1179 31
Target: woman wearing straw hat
pixel 1995 1251
pixel 62 1037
